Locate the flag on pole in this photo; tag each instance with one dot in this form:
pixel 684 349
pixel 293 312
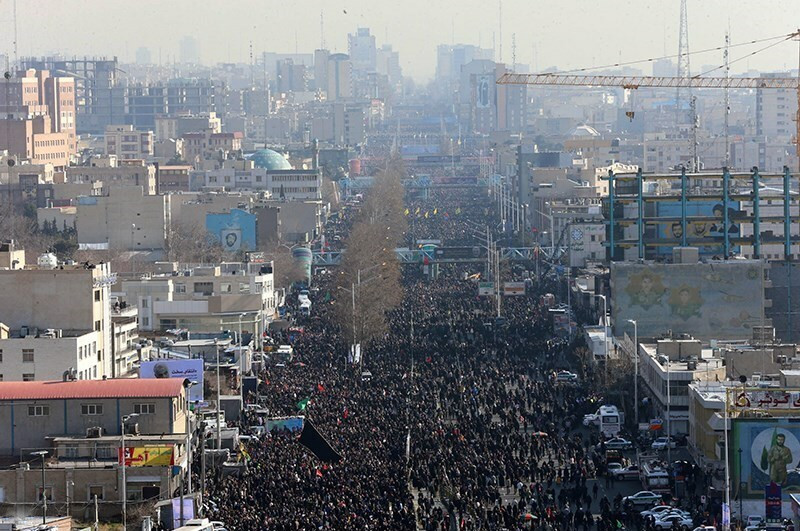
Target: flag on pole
pixel 320 388
pixel 407 211
pixel 435 211
pixel 458 210
pixel 303 404
pixel 317 445
pixel 416 211
pixel 426 214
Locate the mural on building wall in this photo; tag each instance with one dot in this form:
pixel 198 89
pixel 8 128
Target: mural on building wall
pixel 707 234
pixel 718 300
pixel 235 230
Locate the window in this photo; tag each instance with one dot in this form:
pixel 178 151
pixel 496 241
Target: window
pixel 97 326
pixel 180 288
pixel 144 409
pixel 145 321
pixel 91 409
pixel 48 491
pixel 225 288
pixel 27 355
pixel 28 377
pixel 144 303
pixel 71 451
pixel 1 355
pixel 38 411
pixel 95 490
pixel 106 452
pixel 97 295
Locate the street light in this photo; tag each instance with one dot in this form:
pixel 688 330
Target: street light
pixel 42 454
pixel 605 334
pixel 636 369
pixel 187 385
pixel 123 421
pixel 219 404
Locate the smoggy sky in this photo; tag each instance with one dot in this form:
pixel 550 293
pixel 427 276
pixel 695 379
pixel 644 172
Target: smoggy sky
pixel 566 33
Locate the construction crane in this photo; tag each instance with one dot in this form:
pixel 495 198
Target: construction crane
pixel 636 82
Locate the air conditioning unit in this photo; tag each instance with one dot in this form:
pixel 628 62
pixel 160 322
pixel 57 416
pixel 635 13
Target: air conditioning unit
pixel 94 432
pixel 132 428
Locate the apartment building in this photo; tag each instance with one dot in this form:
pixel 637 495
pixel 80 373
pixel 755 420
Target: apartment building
pixel 127 143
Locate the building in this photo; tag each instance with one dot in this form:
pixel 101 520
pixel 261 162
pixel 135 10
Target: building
pixel 267 170
pixel 125 142
pixel 362 50
pixel 174 178
pixel 340 77
pixel 204 145
pixel 667 367
pixel 79 425
pixel 776 111
pixel 176 125
pixel 54 319
pixel 108 172
pixel 205 299
pixel 126 218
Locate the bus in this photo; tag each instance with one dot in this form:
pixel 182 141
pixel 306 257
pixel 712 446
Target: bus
pixel 611 420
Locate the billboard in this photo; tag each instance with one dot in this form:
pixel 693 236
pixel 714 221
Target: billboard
pixel 485 288
pixel 231 239
pixel 748 398
pixel 483 91
pixel 285 423
pixel 706 233
pixel 191 370
pixel 770 454
pixel 162 455
pixel 514 289
pixel 714 300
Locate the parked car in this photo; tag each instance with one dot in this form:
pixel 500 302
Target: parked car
pixel 643 497
pixel 566 376
pixel 668 521
pixel 619 443
pixel 755 522
pixel 662 442
pixel 660 510
pixel 628 472
pixel 612 468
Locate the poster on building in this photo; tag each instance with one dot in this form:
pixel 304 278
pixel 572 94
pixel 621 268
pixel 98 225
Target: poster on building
pixel 772 507
pixel 770 454
pixel 483 92
pixel 714 300
pixel 231 239
pixel 485 289
pixel 513 289
pixel 191 370
pixel 162 455
pixel 706 231
pixel 285 423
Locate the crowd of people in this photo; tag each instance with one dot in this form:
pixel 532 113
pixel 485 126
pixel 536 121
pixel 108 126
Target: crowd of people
pixel 459 424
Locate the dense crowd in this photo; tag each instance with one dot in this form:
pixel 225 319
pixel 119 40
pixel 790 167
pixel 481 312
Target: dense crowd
pixel 461 425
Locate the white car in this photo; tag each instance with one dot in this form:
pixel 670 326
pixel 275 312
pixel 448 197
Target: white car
pixel 668 521
pixel 661 443
pixel 566 376
pixel 660 510
pixel 628 472
pixel 643 497
pixel 618 443
pixel 591 419
pixel 754 522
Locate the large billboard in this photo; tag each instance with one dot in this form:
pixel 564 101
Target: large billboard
pixel 707 231
pixel 770 452
pixel 191 370
pixel 483 92
pixel 160 455
pixel 713 300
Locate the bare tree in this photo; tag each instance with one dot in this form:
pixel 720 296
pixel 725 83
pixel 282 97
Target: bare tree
pixel 192 244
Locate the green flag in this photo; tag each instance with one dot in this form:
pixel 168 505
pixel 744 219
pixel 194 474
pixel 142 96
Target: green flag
pixel 303 403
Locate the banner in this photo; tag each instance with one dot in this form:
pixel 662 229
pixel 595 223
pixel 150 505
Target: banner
pixel 485 288
pixel 764 399
pixel 772 506
pixel 513 289
pixel 191 370
pixel 188 511
pixel 483 91
pixel 136 456
pixel 285 423
pixel 317 445
pixel 770 451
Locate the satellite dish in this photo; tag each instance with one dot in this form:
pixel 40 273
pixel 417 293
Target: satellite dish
pixel 7 75
pixel 11 162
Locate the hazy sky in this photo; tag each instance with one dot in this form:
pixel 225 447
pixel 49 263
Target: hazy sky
pixel 567 33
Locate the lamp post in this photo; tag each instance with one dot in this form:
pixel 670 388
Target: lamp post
pixel 124 421
pixel 219 404
pixel 739 488
pixel 42 454
pixel 605 336
pixel 635 370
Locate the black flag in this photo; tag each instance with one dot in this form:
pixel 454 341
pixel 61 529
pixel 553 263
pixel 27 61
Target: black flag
pixel 316 443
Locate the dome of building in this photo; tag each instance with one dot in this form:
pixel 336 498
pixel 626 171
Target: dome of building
pixel 270 160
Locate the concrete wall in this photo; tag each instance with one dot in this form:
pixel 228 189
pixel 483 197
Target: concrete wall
pixel 125 219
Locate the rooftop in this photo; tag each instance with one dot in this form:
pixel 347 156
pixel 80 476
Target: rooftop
pixel 112 388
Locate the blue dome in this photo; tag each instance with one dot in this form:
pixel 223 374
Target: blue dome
pixel 270 160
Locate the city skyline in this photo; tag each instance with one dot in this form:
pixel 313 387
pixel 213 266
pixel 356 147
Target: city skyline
pixel 653 25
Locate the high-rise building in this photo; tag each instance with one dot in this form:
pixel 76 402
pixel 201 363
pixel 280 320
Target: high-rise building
pixel 776 111
pixel 189 52
pixel 321 69
pixel 340 74
pixel 362 50
pixel 143 56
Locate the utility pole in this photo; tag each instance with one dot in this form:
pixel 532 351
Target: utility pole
pixel 684 71
pixel 727 101
pixel 693 151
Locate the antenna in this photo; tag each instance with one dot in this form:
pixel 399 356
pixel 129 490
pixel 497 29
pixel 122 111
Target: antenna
pixel 322 30
pixel 252 72
pixel 683 59
pixel 514 52
pixel 16 58
pixel 500 32
pixel 727 100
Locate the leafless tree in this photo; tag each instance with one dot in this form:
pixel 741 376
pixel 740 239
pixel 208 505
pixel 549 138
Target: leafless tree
pixel 192 244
